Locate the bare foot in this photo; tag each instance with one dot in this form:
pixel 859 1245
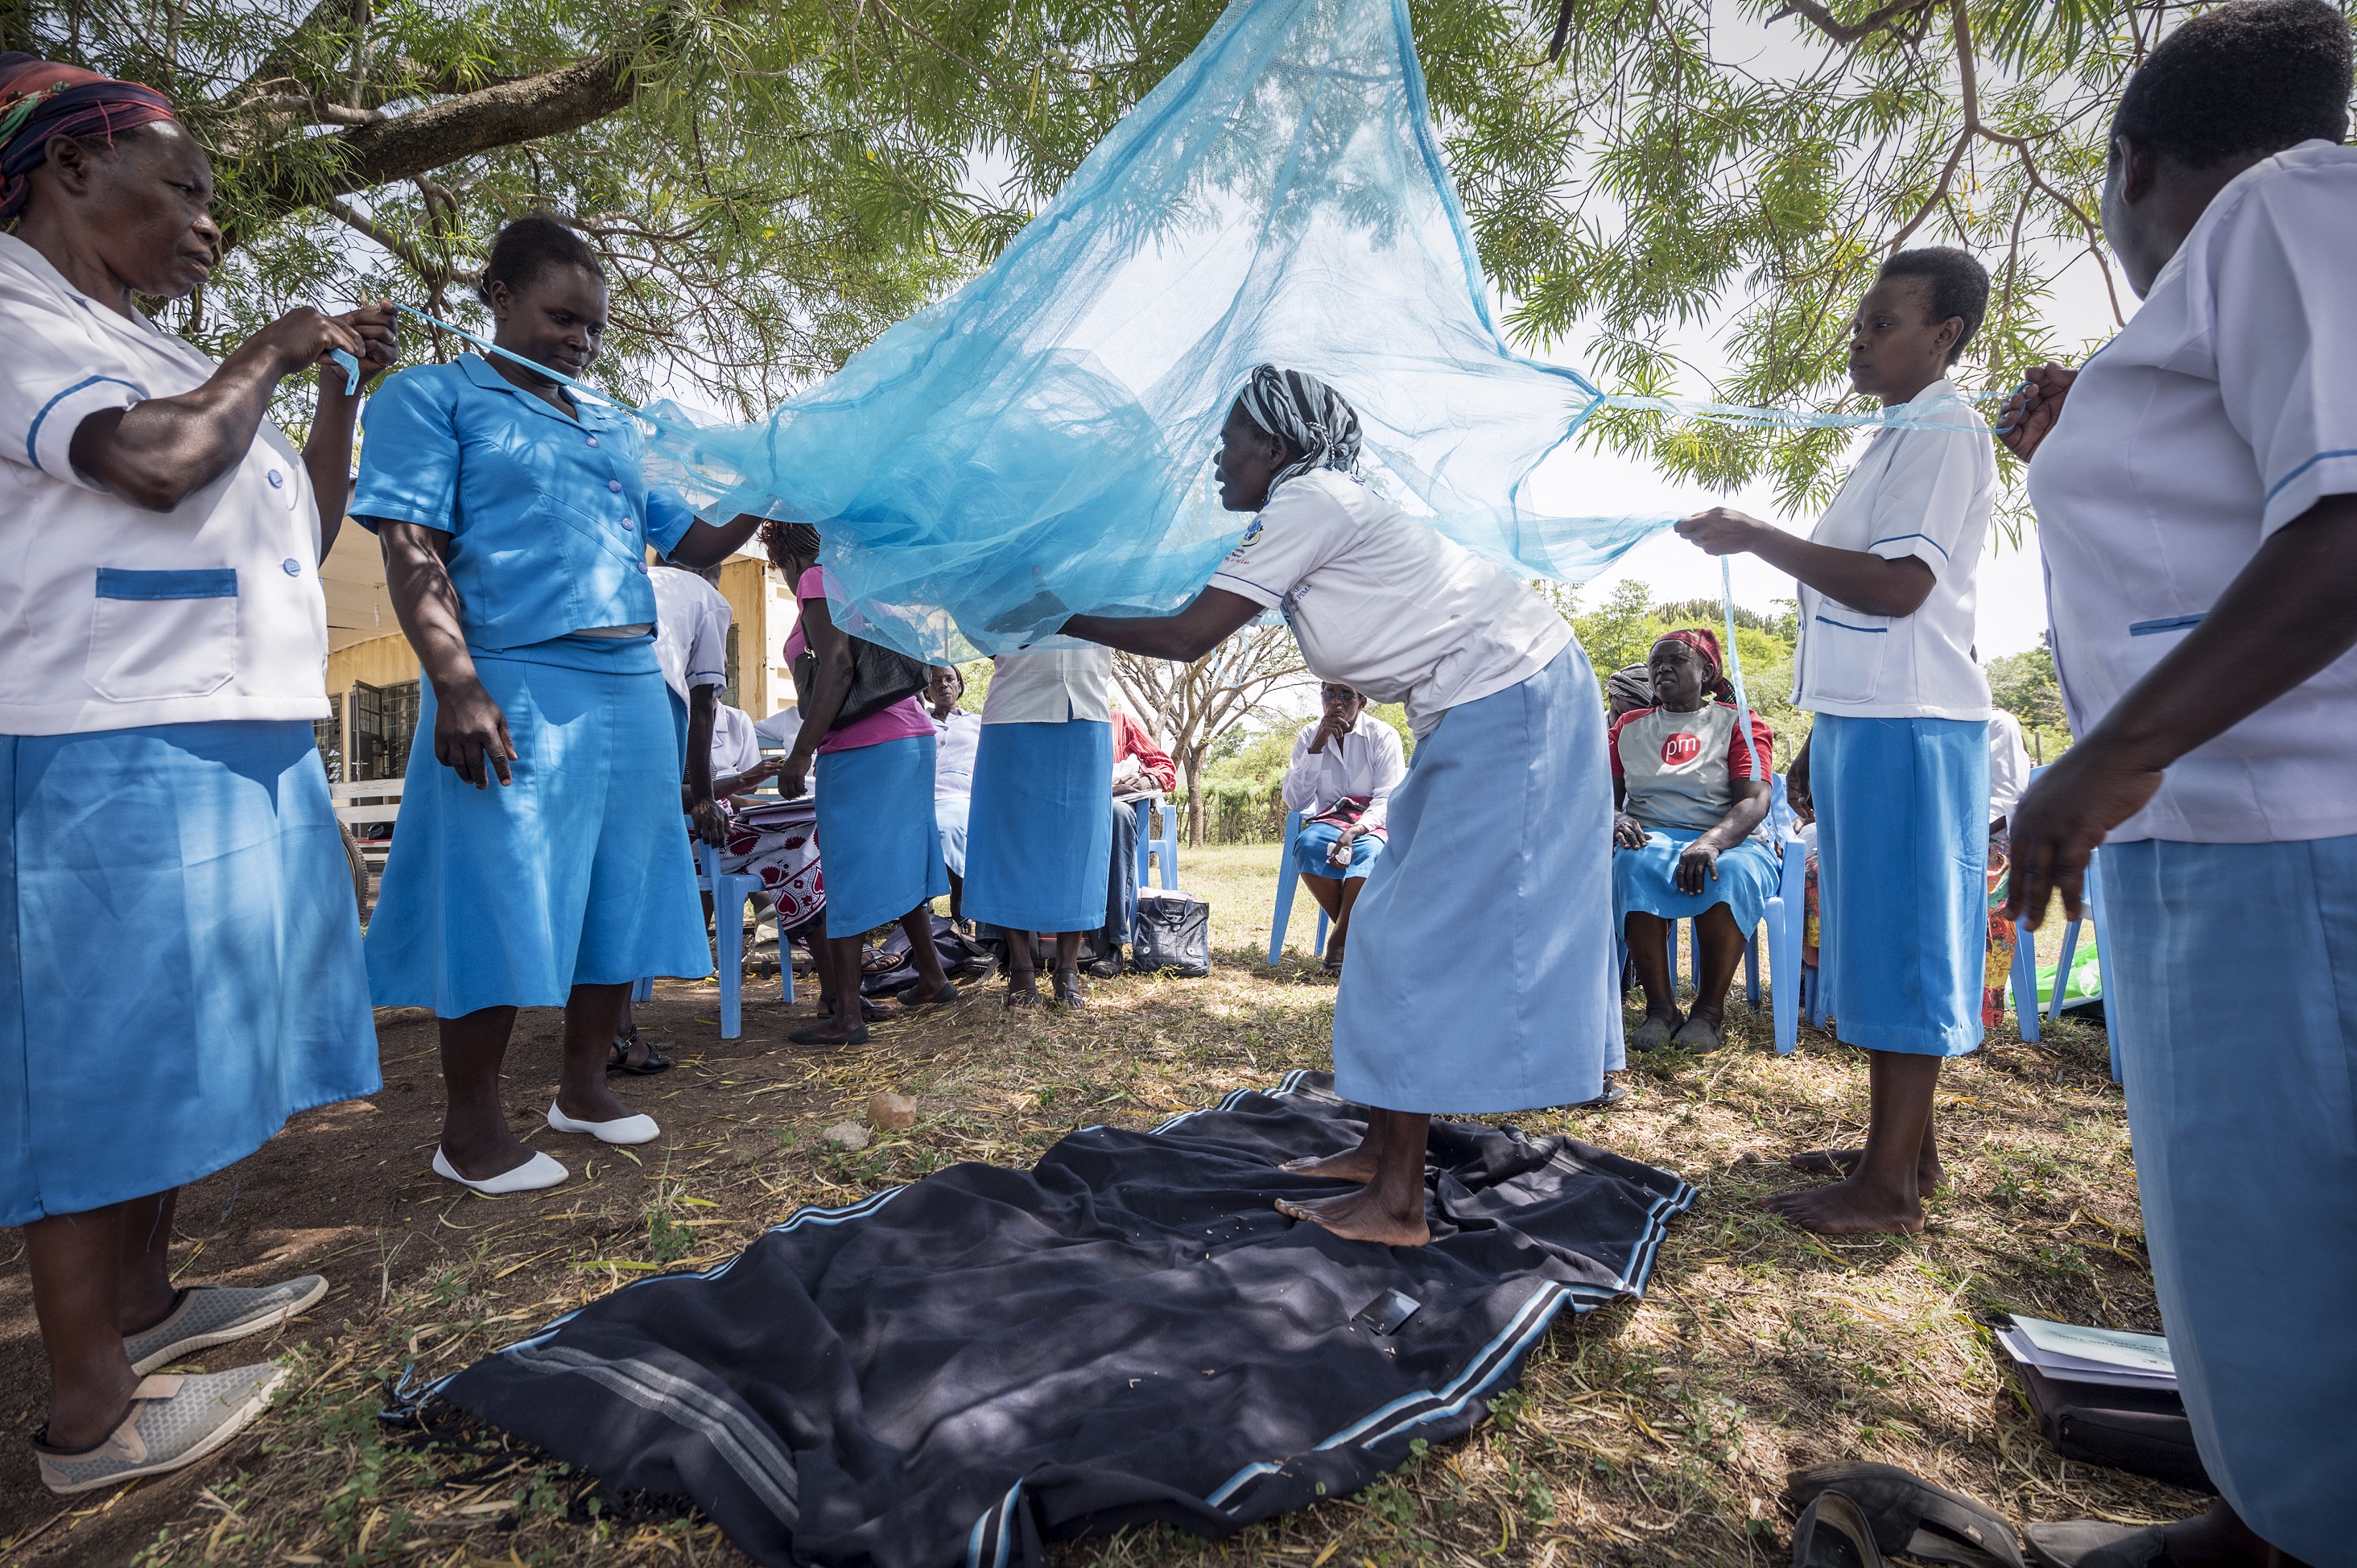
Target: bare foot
pixel 1363 1216
pixel 1929 1176
pixel 1351 1165
pixel 1846 1208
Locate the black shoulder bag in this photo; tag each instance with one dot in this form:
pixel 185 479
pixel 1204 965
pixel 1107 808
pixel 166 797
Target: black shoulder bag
pixel 880 676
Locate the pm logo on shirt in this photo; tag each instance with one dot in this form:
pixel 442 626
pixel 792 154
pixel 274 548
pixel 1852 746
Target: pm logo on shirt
pixel 1680 749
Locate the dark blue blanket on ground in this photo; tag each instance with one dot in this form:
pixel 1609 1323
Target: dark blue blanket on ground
pixel 959 1370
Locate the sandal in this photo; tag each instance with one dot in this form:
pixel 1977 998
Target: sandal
pixel 2093 1543
pixel 1068 995
pixel 1909 1515
pixel 1022 1000
pixel 654 1062
pixel 1833 1533
pixel 946 996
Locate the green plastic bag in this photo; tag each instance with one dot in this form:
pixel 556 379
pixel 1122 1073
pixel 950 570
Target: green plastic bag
pixel 2086 984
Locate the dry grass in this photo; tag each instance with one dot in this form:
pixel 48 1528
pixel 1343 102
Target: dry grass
pixel 1657 1432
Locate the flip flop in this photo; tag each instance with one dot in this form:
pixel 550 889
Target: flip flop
pixel 1910 1516
pixel 2093 1543
pixel 1833 1533
pixel 1071 998
pixel 619 1058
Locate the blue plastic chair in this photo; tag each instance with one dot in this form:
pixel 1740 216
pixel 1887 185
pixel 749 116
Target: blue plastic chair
pixel 1150 847
pixel 1287 880
pixel 730 893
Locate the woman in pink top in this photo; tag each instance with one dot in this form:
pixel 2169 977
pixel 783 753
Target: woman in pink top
pixel 882 853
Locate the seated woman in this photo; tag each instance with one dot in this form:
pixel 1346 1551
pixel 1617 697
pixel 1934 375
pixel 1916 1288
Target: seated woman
pixel 1688 842
pixel 1345 764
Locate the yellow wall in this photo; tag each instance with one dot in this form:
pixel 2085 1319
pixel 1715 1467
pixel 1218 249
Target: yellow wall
pixel 379 662
pixel 755 595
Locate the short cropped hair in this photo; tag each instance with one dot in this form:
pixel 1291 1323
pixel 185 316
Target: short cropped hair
pixel 2251 77
pixel 531 246
pixel 1959 286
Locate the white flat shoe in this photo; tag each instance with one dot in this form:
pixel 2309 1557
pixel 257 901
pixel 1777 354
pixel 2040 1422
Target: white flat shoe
pixel 641 1129
pixel 534 1174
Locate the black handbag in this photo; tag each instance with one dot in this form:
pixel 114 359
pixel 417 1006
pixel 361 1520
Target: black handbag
pixel 880 676
pixel 1173 934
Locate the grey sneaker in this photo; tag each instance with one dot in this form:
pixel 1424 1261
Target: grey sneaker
pixel 215 1314
pixel 173 1422
pixel 1651 1035
pixel 1696 1034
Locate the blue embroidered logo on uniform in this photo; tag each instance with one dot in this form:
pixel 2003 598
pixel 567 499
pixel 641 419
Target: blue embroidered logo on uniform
pixel 1251 534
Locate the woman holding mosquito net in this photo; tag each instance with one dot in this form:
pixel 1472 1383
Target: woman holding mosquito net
pixel 1472 985
pixel 1897 764
pixel 539 860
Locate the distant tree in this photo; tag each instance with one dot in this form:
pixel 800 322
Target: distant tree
pixel 1198 705
pixel 2025 685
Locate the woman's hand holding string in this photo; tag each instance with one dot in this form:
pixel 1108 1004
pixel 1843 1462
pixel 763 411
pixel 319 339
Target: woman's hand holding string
pixel 2030 413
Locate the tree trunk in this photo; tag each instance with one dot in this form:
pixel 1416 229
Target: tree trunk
pixel 1195 796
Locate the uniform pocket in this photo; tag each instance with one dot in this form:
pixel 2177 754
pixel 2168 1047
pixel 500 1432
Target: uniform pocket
pixel 1845 652
pixel 162 634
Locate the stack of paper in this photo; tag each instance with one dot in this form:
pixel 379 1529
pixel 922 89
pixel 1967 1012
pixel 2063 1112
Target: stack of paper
pixel 2075 1354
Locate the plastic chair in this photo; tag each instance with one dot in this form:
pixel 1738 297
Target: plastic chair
pixel 1286 882
pixel 1148 847
pixel 730 893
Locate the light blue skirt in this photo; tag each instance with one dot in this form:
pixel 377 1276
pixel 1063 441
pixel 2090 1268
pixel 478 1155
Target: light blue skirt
pixel 2232 1001
pixel 577 873
pixel 180 957
pixel 1480 975
pixel 1643 880
pixel 1040 833
pixel 1903 879
pixel 880 853
pixel 1311 845
pixel 948 820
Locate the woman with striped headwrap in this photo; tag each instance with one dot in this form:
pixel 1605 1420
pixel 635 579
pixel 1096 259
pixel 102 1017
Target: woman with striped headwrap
pixel 183 972
pixel 1499 835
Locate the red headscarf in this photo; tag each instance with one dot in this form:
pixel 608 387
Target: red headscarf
pixel 40 99
pixel 1705 644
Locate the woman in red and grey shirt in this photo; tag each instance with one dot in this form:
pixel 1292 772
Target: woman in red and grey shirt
pixel 1688 841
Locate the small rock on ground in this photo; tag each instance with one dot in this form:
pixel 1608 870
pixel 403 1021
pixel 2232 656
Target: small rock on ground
pixel 893 1112
pixel 847 1136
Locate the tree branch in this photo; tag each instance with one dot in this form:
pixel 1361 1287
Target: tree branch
pixel 441 134
pixel 1847 33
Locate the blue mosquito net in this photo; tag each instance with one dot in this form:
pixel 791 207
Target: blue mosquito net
pixel 1050 427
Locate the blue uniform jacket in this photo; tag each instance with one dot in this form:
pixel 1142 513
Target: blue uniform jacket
pixel 549 516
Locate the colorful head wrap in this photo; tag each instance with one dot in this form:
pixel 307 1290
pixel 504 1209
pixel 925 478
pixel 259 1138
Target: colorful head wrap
pixel 1705 644
pixel 40 99
pixel 1307 415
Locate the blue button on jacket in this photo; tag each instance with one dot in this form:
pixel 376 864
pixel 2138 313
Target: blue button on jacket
pixel 547 512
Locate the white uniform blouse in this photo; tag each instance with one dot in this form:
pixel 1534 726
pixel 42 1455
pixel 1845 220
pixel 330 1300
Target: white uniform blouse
pixel 1368 760
pixel 113 616
pixel 1050 686
pixel 692 619
pixel 1382 603
pixel 2225 410
pixel 1921 493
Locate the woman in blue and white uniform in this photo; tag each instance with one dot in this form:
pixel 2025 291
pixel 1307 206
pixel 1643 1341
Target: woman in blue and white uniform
pixel 539 860
pixel 180 970
pixel 1473 985
pixel 2196 487
pixel 1038 833
pixel 1897 766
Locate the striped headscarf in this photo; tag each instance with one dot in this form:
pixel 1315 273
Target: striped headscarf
pixel 40 99
pixel 1305 414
